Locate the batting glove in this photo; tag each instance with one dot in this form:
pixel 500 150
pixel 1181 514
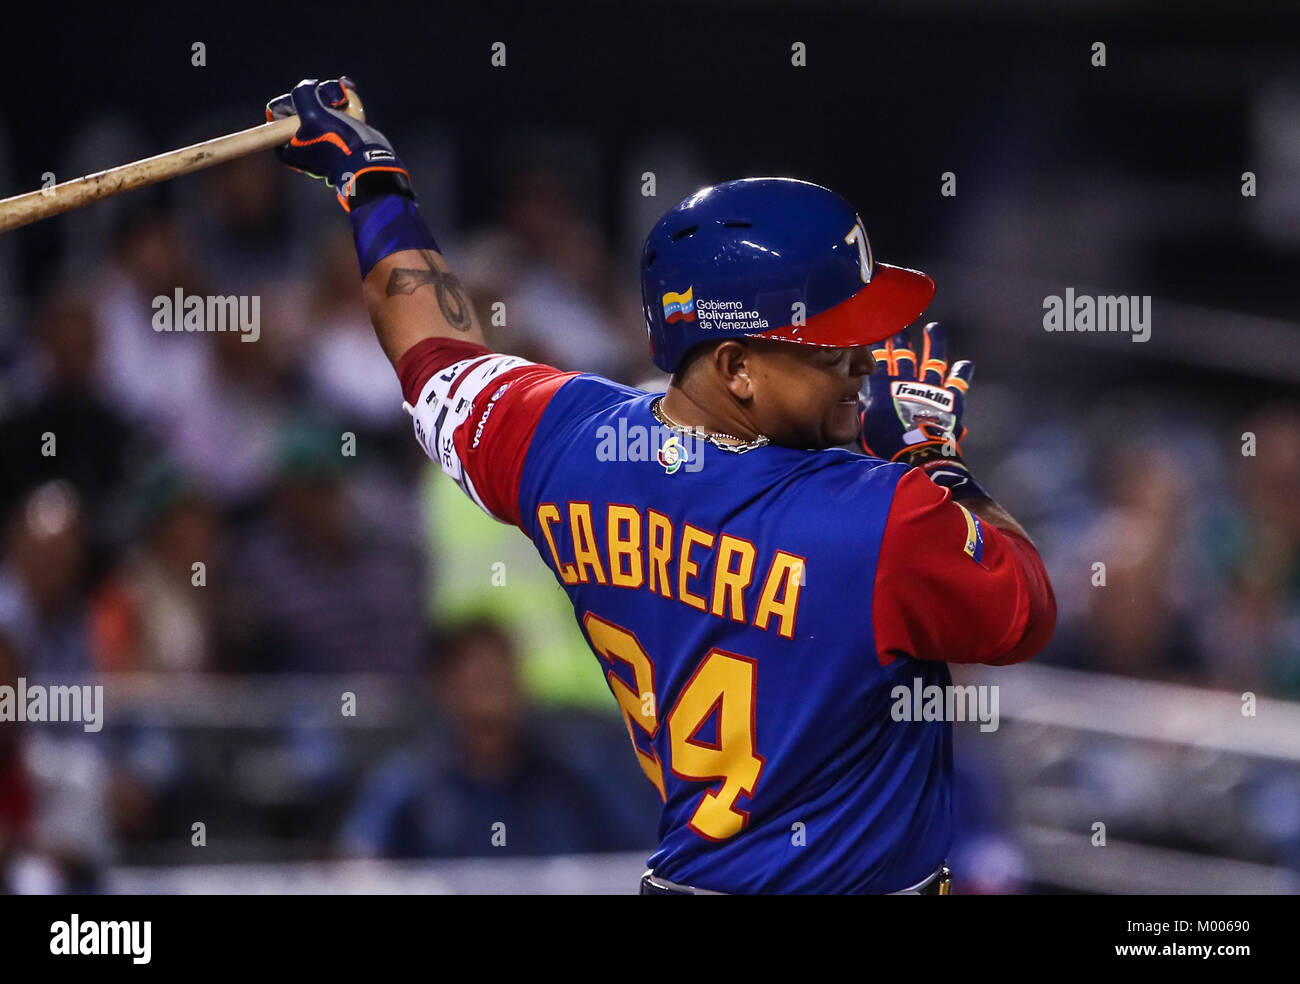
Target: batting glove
pixel 335 148
pixel 914 414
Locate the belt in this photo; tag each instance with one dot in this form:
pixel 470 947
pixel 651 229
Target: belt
pixel 939 883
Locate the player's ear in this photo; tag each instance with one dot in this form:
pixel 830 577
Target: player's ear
pixel 731 361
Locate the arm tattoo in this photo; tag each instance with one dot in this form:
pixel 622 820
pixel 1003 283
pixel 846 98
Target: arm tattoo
pixel 452 299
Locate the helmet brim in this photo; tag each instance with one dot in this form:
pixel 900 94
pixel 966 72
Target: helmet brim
pixel 894 299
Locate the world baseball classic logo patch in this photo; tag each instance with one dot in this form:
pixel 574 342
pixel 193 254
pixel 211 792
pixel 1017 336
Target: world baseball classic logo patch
pixel 680 307
pixel 672 455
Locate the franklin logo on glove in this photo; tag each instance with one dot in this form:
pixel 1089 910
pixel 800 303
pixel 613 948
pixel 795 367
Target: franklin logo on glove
pixel 934 395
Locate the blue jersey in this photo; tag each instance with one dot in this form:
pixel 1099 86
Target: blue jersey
pixel 754 614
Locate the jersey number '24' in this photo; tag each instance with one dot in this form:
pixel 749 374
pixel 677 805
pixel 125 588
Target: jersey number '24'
pixel 724 685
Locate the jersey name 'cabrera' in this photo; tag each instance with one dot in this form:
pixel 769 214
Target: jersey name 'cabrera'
pixel 752 614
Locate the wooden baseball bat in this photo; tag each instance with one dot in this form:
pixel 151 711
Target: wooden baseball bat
pixel 21 210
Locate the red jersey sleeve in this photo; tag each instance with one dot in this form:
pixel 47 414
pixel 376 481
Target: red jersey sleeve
pixel 951 587
pixel 475 414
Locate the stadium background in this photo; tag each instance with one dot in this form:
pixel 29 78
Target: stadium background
pixel 368 574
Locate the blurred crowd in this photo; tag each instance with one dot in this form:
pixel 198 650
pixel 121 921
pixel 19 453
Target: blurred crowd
pixel 196 503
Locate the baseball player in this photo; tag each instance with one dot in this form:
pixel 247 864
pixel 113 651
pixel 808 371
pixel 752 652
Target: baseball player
pixel 753 590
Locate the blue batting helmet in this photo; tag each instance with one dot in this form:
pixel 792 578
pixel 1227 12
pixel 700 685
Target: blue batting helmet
pixel 772 258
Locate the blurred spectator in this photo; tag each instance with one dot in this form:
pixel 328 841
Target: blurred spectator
pixel 1135 623
pixel 150 614
pixel 226 426
pixel 1254 629
pixel 347 372
pixel 42 590
pixel 54 827
pixel 17 798
pixel 491 784
pixel 66 428
pixel 565 303
pixel 238 219
pixel 487 570
pixel 148 374
pixel 318 587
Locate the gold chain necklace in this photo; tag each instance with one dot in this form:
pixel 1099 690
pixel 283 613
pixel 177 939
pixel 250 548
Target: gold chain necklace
pixel 740 447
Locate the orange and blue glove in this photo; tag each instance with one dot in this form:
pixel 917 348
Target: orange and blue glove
pixel 358 162
pixel 913 410
pixel 332 146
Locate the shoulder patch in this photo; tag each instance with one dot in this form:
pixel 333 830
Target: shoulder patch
pixel 974 546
